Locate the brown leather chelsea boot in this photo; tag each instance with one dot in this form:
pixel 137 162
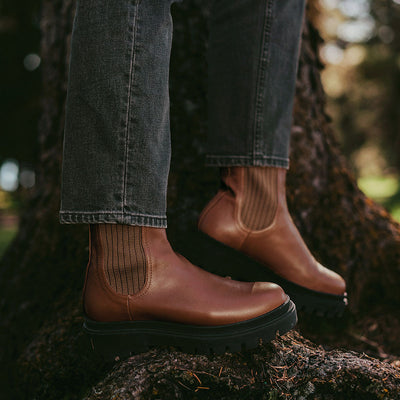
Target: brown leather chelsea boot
pixel 250 215
pixel 176 304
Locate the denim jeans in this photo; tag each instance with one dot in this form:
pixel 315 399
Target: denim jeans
pixel 117 132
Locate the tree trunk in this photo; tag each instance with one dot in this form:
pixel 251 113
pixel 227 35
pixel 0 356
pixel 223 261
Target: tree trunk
pixel 43 352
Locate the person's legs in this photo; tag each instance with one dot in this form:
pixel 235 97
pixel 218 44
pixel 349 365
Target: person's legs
pixel 138 291
pixel 117 114
pixel 253 58
pixel 252 61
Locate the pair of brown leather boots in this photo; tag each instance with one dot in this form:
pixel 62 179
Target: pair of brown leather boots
pixel 140 293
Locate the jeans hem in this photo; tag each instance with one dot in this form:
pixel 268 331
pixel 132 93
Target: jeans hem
pixel 111 217
pixel 260 161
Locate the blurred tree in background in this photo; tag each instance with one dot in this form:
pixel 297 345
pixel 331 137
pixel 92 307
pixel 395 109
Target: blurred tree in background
pixel 362 80
pixel 19 79
pixel 20 91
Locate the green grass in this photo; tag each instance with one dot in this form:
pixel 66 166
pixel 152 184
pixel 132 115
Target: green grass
pixel 6 235
pixel 384 190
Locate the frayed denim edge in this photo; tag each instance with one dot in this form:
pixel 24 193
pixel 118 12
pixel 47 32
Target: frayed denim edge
pixel 76 217
pixel 243 161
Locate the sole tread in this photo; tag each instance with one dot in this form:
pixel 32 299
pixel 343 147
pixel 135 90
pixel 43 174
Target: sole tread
pixel 120 340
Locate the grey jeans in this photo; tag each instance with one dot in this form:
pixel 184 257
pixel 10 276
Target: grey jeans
pixel 117 133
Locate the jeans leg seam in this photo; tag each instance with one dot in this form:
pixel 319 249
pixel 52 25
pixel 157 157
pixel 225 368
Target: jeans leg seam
pixel 262 68
pixel 133 34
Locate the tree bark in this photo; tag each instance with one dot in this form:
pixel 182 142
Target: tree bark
pixel 288 368
pixel 43 352
pixel 343 227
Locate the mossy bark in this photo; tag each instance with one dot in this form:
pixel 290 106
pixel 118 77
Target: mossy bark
pixel 288 368
pixel 43 352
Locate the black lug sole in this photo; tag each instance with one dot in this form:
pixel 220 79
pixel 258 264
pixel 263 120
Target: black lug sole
pixel 121 339
pixel 223 260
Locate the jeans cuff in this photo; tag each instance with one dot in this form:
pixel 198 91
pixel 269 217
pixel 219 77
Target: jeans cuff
pixel 111 217
pixel 259 161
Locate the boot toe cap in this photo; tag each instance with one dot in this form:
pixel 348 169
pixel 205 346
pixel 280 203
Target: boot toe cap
pixel 272 295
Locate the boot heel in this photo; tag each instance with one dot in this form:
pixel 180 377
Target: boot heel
pixel 223 260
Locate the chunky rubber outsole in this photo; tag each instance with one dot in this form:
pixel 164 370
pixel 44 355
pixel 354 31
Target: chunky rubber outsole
pixel 122 339
pixel 224 260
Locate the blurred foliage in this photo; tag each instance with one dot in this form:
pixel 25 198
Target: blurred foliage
pixel 384 190
pixel 6 235
pixel 19 87
pixel 363 80
pixel 6 201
